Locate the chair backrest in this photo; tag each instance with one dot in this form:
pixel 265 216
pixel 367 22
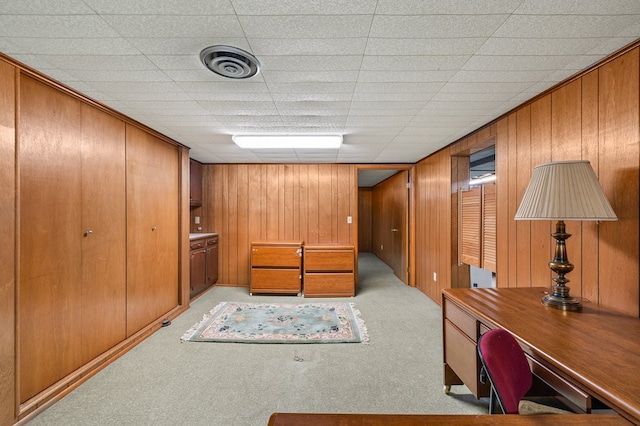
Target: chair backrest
pixel 506 366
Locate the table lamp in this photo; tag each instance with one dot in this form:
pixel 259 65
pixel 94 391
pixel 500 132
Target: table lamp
pixel 564 190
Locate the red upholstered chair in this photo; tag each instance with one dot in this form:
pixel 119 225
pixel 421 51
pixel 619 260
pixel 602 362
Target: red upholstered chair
pixel 508 371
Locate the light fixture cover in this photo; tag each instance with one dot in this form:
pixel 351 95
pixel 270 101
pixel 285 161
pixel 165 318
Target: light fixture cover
pixel 564 190
pixel 288 141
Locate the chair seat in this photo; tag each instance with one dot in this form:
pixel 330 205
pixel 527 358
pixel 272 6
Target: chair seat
pixel 530 407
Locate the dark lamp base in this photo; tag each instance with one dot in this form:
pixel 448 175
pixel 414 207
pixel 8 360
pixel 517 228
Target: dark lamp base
pixel 565 303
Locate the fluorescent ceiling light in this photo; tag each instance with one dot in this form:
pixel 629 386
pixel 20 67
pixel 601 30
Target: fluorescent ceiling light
pixel 288 141
pixel 483 179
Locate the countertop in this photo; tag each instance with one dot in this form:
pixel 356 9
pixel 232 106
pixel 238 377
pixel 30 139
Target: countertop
pixel 202 235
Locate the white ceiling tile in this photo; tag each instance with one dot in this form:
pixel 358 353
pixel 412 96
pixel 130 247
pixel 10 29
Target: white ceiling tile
pixel 388 105
pixel 274 77
pixel 312 87
pixel 398 87
pixel 312 105
pixel 393 97
pixel 238 87
pixel 476 87
pixel 119 75
pixel 475 97
pixel 135 87
pixel 414 63
pixel 538 46
pixel 46 7
pixel 518 63
pixel 161 7
pixel 402 46
pixel 55 26
pixel 581 7
pixel 405 76
pixel 435 26
pixel 310 63
pixel 447 7
pixel 178 26
pixel 74 46
pixel 498 76
pixel 184 45
pixel 567 26
pixel 100 62
pixel 302 26
pixel 307 46
pixel 295 7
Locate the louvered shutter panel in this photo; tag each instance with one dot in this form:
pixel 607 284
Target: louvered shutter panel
pixel 489 208
pixel 471 226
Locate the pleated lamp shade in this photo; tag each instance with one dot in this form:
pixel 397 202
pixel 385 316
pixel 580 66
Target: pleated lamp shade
pixel 564 190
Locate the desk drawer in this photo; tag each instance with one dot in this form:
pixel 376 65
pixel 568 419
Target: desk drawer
pixel 460 354
pixel 461 319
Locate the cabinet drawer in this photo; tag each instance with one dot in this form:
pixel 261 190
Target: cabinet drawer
pixel 461 319
pixel 212 241
pixel 276 280
pixel 197 244
pixel 460 354
pixel 328 260
pixel 276 257
pixel 328 284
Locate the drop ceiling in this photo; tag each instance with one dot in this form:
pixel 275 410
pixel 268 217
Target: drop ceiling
pixel 399 79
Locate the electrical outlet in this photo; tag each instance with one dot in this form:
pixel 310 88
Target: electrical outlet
pixel 435 276
pixel 349 219
pixel 381 247
pixel 197 220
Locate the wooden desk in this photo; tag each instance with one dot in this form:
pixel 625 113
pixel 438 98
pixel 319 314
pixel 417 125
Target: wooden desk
pixel 583 355
pixel 306 419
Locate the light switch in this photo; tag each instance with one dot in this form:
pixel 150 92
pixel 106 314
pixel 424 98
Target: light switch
pixel 197 220
pixel 349 219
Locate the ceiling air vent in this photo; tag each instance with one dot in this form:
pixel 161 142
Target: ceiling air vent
pixel 230 62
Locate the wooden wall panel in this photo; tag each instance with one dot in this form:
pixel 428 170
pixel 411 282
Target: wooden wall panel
pixel 365 224
pixel 8 407
pixel 245 203
pixel 104 269
pixel 50 211
pixel 503 225
pixel 541 244
pixel 618 173
pixel 433 224
pixel 590 230
pixel 523 175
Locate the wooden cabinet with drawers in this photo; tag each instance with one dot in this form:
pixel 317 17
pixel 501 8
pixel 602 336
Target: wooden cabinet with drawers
pixel 203 262
pixel 276 267
pixel 329 271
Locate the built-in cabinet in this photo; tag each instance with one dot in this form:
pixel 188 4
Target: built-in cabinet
pixel 152 229
pixel 72 234
pixel 203 262
pixel 99 233
pixel 195 183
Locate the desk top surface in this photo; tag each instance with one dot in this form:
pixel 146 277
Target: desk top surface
pixel 308 419
pixel 598 349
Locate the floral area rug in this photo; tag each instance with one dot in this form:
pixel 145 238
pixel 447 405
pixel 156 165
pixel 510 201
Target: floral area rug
pixel 280 323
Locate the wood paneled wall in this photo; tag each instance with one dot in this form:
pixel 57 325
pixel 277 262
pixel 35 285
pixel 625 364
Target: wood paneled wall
pixel 277 202
pixel 594 117
pixel 365 224
pixel 8 76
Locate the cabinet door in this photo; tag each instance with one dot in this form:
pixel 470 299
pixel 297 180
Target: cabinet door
pixel 198 265
pixel 104 232
pixel 195 183
pixel 152 228
pixel 212 264
pixel 49 308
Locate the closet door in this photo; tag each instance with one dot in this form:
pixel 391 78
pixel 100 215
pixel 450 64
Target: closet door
pixel 50 240
pixel 103 232
pixel 152 228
